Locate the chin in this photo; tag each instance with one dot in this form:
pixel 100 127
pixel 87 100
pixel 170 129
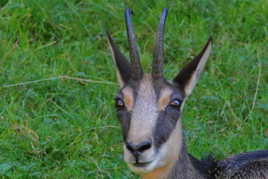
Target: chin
pixel 144 169
pixel 158 162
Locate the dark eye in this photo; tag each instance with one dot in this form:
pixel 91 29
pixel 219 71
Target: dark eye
pixel 119 103
pixel 175 103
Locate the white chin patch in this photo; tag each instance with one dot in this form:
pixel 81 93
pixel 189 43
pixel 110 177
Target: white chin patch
pixel 143 170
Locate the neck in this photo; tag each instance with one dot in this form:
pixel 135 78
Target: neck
pixel 184 167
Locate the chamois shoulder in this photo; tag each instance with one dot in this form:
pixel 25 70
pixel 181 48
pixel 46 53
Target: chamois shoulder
pixel 247 165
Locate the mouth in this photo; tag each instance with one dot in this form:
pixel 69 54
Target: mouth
pixel 141 165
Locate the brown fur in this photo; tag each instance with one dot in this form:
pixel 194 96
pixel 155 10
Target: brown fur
pixel 164 98
pixel 128 98
pixel 159 173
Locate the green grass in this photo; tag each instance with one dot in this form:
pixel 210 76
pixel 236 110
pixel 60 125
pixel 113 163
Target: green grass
pixel 65 128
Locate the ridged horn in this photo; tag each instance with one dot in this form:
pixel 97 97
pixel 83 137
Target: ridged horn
pixel 157 66
pixel 136 69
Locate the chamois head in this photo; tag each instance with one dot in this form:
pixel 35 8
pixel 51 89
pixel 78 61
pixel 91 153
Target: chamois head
pixel 148 106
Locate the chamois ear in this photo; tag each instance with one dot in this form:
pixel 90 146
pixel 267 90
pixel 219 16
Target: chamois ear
pixel 190 74
pixel 123 65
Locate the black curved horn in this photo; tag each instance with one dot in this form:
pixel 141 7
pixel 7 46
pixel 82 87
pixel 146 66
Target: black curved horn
pixel 136 69
pixel 157 66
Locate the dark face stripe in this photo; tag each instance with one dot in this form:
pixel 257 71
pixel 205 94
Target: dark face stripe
pixel 165 124
pixel 167 119
pixel 124 116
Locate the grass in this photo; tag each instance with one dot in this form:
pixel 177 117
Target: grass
pixel 57 81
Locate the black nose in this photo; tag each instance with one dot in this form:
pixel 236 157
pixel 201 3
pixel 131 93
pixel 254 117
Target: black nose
pixel 139 148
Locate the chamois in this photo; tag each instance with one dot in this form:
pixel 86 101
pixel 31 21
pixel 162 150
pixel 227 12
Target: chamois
pixel 149 108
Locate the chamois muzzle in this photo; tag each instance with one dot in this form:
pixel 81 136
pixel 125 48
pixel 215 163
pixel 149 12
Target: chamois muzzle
pixel 139 148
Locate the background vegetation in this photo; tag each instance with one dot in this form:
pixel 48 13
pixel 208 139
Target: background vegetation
pixel 55 125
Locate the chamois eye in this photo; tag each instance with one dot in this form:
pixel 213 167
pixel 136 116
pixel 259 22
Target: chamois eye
pixel 176 103
pixel 119 103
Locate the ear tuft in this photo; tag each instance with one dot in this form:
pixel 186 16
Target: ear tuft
pixel 190 74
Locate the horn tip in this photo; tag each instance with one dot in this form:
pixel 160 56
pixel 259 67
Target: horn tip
pixel 128 11
pixel 165 10
pixel 210 39
pixel 108 34
pixel 164 15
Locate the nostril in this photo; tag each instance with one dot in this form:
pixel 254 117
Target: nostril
pixel 130 146
pixel 141 147
pixel 144 146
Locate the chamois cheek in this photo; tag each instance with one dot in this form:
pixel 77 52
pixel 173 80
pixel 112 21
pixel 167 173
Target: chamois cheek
pixel 164 127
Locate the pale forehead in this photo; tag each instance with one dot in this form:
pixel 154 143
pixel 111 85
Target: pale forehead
pixel 146 87
pixel 146 92
pixel 144 111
